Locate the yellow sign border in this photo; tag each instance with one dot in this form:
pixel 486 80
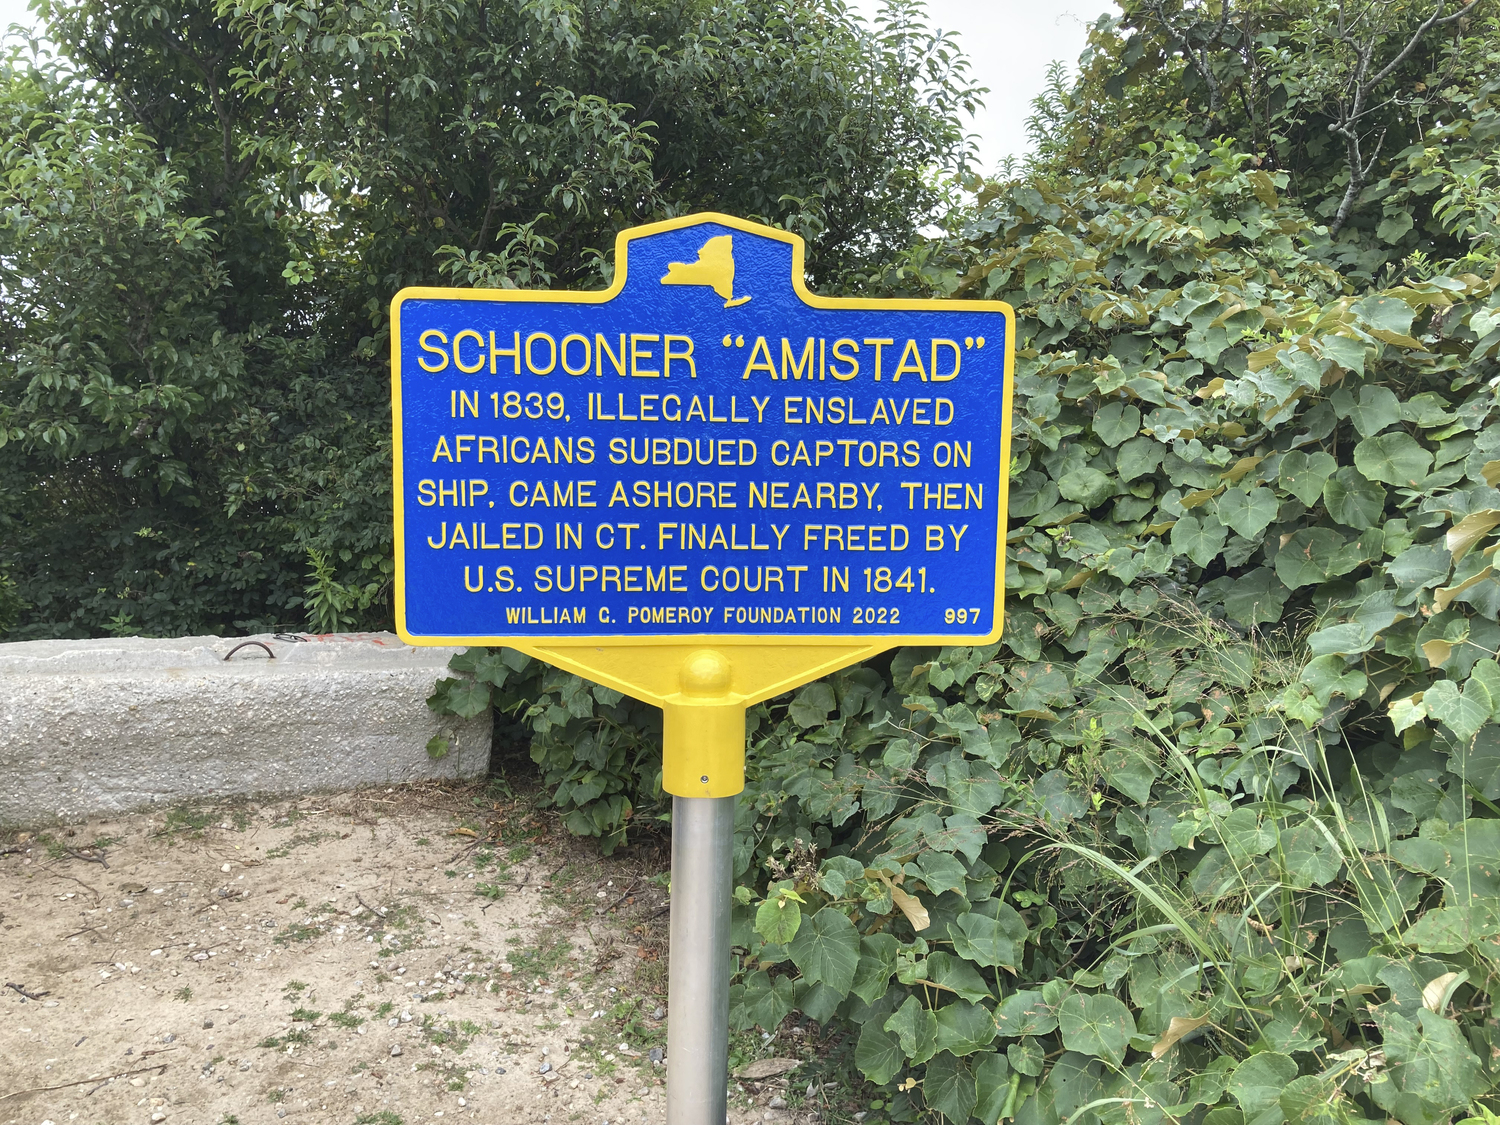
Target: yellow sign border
pixel 838 650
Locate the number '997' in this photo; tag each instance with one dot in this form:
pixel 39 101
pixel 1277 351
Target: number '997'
pixel 961 616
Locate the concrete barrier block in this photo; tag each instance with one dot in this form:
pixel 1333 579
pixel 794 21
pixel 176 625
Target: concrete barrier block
pixel 110 726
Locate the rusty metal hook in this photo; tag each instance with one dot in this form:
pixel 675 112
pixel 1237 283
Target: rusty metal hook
pixel 242 644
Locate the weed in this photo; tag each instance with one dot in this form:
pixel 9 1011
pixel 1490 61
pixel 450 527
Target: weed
pixel 185 993
pixel 187 820
pixel 297 931
pixel 385 1009
pixel 301 840
pixel 278 1095
pixel 346 1019
pixel 384 1117
pixel 306 1015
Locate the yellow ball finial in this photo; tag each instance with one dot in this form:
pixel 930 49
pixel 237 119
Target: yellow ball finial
pixel 705 672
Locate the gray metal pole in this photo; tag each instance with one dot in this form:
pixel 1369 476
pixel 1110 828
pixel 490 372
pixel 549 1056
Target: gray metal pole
pixel 698 979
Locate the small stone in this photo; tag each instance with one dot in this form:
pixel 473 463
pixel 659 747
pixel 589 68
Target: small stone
pixel 396 1051
pixel 776 1103
pixel 544 1068
pixel 225 869
pixel 208 1023
pixel 244 1064
pixel 168 1037
pixel 499 1070
pixel 137 1082
pixel 158 1116
pixel 656 1054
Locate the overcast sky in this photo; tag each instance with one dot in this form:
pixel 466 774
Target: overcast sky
pixel 1009 43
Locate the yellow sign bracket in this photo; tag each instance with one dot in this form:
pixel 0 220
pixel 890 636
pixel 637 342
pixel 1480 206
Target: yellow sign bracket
pixel 703 692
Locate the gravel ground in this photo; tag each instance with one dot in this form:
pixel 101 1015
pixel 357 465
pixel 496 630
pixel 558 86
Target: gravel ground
pixel 382 957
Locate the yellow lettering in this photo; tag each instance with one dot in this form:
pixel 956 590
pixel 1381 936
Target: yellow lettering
pixel 439 352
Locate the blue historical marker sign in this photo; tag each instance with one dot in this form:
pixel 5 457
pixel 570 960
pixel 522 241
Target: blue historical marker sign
pixel 704 449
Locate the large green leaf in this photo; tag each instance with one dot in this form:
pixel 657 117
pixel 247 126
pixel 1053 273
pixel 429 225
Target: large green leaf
pixel 1097 1025
pixel 1377 409
pixel 826 949
pixel 949 1087
pixel 991 942
pixel 1352 500
pixel 964 1028
pixel 1257 1082
pixel 1393 458
pixel 878 1054
pixel 877 963
pixel 1247 511
pixel 1314 555
pixel 1025 1013
pixel 1303 474
pixel 1199 539
pixel 916 1028
pixel 1116 421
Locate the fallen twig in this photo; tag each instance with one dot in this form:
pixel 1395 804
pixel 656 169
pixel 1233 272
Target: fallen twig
pixel 99 859
pixel 81 1081
pixel 21 988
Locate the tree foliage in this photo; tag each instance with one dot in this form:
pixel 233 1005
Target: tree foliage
pixel 205 210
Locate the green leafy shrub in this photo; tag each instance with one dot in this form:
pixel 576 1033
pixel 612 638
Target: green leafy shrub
pixel 1212 832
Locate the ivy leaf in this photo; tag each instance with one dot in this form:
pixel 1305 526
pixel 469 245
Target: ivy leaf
pixel 877 962
pixel 1256 598
pixel 1200 540
pixel 826 949
pixel 1385 314
pixel 1314 555
pixel 1393 458
pixel 1352 500
pixel 1464 712
pixel 1096 1025
pixel 992 1077
pixel 1025 1013
pixel 964 1028
pixel 991 942
pixel 1248 512
pixel 916 1028
pixel 941 871
pixel 1326 677
pixel 1137 457
pixel 1116 421
pixel 956 974
pixel 1085 486
pixel 878 1054
pixel 1258 1081
pixel 766 1001
pixel 949 1087
pixel 1303 475
pixel 811 706
pixel 1377 409
pixel 778 919
pixel 464 698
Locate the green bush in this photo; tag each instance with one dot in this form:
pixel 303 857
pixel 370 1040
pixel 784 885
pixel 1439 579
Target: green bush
pixel 1212 833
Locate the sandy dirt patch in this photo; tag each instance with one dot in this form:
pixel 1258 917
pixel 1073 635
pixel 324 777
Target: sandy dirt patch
pixel 427 954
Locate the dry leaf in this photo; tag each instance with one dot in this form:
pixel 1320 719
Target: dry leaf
pixel 1470 530
pixel 1445 595
pixel 464 832
pixel 912 907
pixel 1202 496
pixel 1437 651
pixel 1491 473
pixel 1179 1027
pixel 1438 989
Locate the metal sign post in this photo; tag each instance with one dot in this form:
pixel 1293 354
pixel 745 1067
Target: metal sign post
pixel 703 486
